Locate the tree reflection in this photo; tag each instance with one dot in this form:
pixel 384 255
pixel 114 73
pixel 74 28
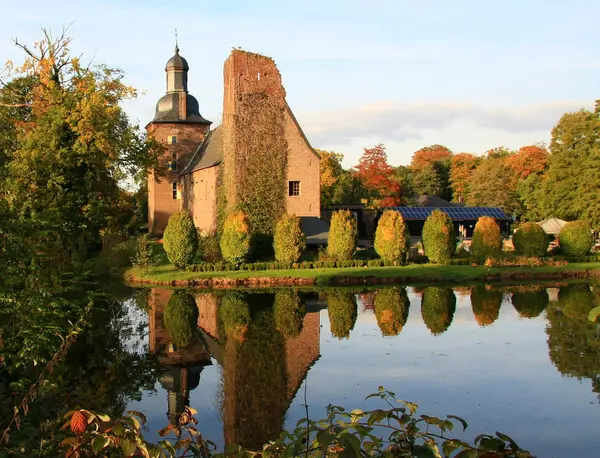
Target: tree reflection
pixel 342 311
pixel 573 340
pixel 437 309
pixel 391 310
pixel 486 304
pixel 289 313
pixel 529 304
pixel 181 318
pixel 234 316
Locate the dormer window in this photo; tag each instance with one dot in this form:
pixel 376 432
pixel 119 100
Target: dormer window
pixel 172 140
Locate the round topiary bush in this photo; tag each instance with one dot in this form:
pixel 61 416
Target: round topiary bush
pixel 181 318
pixel 234 314
pixel 439 239
pixel 289 313
pixel 529 304
pixel 576 238
pixel 391 237
pixel 486 305
pixel 180 239
pixel 289 240
pixel 342 311
pixel 576 301
pixel 342 236
pixel 391 310
pixel 487 240
pixel 235 239
pixel 437 309
pixel 530 240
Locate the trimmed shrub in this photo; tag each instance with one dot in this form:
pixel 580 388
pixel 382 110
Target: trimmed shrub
pixel 208 247
pixel 289 240
pixel 486 305
pixel 531 240
pixel 181 318
pixel 143 255
pixel 342 235
pixel 342 311
pixel 289 313
pixel 235 316
pixel 391 237
pixel 180 239
pixel 576 238
pixel 439 239
pixel 529 304
pixel 235 239
pixel 576 301
pixel 437 309
pixel 487 240
pixel 391 310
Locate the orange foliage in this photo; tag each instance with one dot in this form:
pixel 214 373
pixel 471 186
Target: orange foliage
pixel 528 160
pixel 78 423
pixel 378 177
pixel 428 155
pixel 461 169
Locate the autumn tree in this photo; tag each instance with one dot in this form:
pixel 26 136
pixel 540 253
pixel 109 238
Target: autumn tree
pixel 429 155
pixel 74 146
pixel 571 188
pixel 405 179
pixel 492 185
pixel 331 170
pixel 532 159
pixel 378 178
pixel 431 171
pixel 462 166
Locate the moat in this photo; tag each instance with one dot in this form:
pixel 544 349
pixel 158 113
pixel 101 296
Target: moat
pixel 522 360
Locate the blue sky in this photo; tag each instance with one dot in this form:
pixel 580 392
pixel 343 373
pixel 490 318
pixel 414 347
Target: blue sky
pixel 471 75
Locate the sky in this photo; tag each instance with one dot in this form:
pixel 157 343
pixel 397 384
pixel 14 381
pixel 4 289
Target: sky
pixel 470 75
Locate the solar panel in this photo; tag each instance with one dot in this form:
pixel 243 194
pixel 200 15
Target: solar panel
pixel 455 213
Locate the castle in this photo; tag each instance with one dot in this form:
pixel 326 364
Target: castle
pixel 195 155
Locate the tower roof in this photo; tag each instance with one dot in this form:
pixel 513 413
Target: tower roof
pixel 177 62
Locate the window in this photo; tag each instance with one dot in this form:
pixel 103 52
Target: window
pixel 175 192
pixel 294 188
pixel 172 164
pixel 172 140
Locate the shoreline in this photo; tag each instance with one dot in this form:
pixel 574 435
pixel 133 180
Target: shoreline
pixel 357 276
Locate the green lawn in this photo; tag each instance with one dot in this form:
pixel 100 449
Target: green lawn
pixel 415 272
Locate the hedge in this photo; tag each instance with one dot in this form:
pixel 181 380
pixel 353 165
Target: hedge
pixel 180 239
pixel 342 236
pixel 487 240
pixel 531 240
pixel 235 239
pixel 289 241
pixel 439 239
pixel 391 237
pixel 437 308
pixel 391 310
pixel 576 238
pixel 181 318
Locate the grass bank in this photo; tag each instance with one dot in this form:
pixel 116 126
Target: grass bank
pixel 414 273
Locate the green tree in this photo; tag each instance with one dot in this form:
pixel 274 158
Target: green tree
pixel 433 180
pixel 348 189
pixel 530 240
pixel 235 238
pixel 342 236
pixel 342 311
pixel 487 240
pixel 391 310
pixel 439 239
pixel 331 170
pixel 571 189
pixel 391 237
pixel 576 238
pixel 180 239
pixel 181 318
pixel 529 304
pixel 493 185
pixel 531 198
pixel 405 178
pixel 437 309
pixel 289 240
pixel 289 313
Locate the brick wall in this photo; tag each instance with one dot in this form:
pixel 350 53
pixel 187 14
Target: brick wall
pixel 161 204
pixel 200 198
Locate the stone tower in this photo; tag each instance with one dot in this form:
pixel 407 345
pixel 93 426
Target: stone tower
pixel 180 127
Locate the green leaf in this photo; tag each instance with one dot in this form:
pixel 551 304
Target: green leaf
pixel 140 415
pixel 99 442
pixel 324 438
pixel 350 440
pixel 118 429
pixel 450 446
pixel 492 444
pixel 471 453
pixel 103 417
pixel 376 416
pixel 134 422
pixel 424 451
pixel 167 446
pixel 462 421
pixel 505 438
pixel 127 447
pixel 594 314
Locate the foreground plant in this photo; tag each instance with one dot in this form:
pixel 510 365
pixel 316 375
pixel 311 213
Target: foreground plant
pixel 396 431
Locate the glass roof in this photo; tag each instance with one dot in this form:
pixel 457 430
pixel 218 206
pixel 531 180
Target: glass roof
pixel 455 213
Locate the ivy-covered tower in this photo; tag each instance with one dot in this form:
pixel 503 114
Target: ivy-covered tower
pixel 180 127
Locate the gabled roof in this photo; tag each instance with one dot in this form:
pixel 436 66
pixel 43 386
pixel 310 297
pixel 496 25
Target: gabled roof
pixel 208 154
pixel 552 226
pixel 425 200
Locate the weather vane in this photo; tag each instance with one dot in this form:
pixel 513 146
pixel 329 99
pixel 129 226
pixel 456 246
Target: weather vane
pixel 176 42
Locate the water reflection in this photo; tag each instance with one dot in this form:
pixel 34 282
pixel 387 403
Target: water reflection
pixel 391 309
pixel 437 309
pixel 266 343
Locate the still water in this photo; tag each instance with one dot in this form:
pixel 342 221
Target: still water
pixel 522 360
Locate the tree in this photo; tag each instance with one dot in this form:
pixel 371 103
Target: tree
pixel 429 155
pixel 437 308
pixel 487 240
pixel 439 239
pixel 289 312
pixel 180 239
pixel 532 159
pixel 73 145
pixel 531 240
pixel 331 170
pixel 348 189
pixel 391 310
pixel 342 311
pixel 181 318
pixel 378 178
pixel 462 167
pixel 492 185
pixel 342 235
pixel 530 304
pixel 405 178
pixel 289 240
pixel 571 188
pixel 432 181
pixel 531 197
pixel 235 238
pixel 391 237
pixel 576 238
pixel 486 303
